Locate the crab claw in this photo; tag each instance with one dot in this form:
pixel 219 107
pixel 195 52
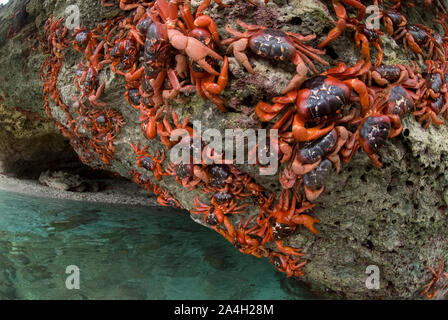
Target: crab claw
pixel 267 112
pixel 303 134
pixel 194 48
pixel 204 21
pixel 307 221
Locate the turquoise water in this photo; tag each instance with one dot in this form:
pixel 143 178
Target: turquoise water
pixel 124 252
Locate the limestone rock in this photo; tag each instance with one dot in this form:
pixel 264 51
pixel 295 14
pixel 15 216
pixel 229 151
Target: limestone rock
pixel 393 218
pixel 63 181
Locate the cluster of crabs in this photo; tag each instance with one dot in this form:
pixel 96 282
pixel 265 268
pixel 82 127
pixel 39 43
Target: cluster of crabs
pixel 90 126
pixel 165 53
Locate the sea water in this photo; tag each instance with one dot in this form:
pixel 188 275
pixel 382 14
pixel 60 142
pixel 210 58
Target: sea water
pixel 124 252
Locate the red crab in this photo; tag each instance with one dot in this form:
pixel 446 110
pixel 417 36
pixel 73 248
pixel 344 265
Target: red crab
pixel 215 214
pixel 125 53
pixel 126 5
pixel 188 175
pixel 55 36
pixel 247 243
pixel 438 281
pixel 148 162
pixel 87 77
pixel 319 102
pixel 82 39
pixel 416 37
pixel 434 95
pixel 280 145
pixel 165 198
pixel 406 76
pixel 308 157
pixel 249 183
pixel 392 20
pixel 284 263
pixel 243 240
pixel 277 45
pixel 374 129
pixel 192 47
pixel 149 121
pixel 104 121
pixel 204 29
pixel 168 132
pixel 158 58
pixel 397 99
pixel 363 36
pixel 341 13
pixel 281 222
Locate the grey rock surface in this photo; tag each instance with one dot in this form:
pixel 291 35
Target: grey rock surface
pixel 62 181
pixel 394 217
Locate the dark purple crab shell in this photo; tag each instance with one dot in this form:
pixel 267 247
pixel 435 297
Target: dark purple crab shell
pixel 273 44
pixel 184 170
pixel 374 132
pixel 211 218
pixel 134 96
pixel 277 262
pixel 219 172
pixel 319 148
pixel 222 197
pixel 418 33
pixel 434 81
pixel 401 102
pixel 281 231
pixel 147 163
pixel 371 34
pixel 438 104
pixel 101 119
pixel 143 26
pixel 394 16
pixel 90 79
pixel 156 51
pixel 324 99
pixel 81 37
pixel 389 72
pixel 315 179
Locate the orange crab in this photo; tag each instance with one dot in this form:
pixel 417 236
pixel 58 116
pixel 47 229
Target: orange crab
pixel 278 223
pixel 438 281
pixel 148 162
pixel 204 29
pixel 277 45
pixel 215 214
pixel 320 102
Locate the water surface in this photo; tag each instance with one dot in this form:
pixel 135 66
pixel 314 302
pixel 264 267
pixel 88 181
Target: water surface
pixel 124 252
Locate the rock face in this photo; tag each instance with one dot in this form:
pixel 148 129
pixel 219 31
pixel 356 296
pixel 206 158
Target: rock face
pixel 393 218
pixel 28 141
pixel 63 181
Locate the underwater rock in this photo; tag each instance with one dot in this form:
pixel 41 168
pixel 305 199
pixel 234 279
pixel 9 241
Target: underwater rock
pixel 393 218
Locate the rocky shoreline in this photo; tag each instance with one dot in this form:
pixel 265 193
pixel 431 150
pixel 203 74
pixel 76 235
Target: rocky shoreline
pixel 114 192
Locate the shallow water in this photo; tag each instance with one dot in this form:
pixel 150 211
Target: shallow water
pixel 124 252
